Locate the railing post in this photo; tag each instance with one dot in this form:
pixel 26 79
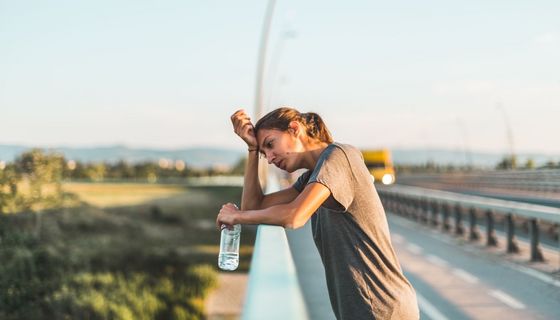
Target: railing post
pixel 445 223
pixel 474 234
pixel 400 204
pixel 409 208
pixel 417 210
pixel 491 239
pixel 459 230
pixel 391 201
pixel 395 199
pixel 512 246
pixel 388 202
pixel 435 209
pixel 425 209
pixel 536 254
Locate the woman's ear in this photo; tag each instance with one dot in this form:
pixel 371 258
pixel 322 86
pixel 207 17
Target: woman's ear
pixel 293 127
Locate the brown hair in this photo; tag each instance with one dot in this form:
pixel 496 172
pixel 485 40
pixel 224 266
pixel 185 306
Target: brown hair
pixel 280 119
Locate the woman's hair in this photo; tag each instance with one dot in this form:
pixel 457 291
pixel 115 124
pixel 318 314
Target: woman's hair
pixel 280 119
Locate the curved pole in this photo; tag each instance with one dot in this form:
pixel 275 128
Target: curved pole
pixel 261 66
pixel 509 132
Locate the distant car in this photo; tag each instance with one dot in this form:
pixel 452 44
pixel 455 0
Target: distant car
pixel 380 165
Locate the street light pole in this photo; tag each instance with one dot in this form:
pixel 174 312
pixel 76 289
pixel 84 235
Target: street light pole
pixel 261 68
pixel 467 150
pixel 274 61
pixel 509 133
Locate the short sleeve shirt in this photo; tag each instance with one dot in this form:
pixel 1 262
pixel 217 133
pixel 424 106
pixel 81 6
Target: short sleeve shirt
pixel 350 230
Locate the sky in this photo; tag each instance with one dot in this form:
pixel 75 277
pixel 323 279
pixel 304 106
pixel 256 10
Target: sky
pixel 168 74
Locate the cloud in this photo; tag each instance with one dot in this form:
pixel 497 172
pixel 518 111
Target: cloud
pixel 548 38
pixel 470 87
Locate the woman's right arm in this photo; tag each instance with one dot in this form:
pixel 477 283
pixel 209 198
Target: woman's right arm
pixel 253 197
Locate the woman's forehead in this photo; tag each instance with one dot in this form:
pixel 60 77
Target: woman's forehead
pixel 263 134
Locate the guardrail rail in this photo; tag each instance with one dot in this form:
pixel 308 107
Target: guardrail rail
pixel 436 208
pixel 273 291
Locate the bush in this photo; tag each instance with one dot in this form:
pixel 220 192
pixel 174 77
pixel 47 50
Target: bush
pixel 137 296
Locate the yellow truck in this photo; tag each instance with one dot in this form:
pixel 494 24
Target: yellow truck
pixel 380 165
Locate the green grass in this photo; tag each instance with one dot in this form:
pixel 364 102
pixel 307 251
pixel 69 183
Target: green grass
pixel 127 252
pixel 121 194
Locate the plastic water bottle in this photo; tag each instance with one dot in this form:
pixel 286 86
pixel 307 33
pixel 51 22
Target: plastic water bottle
pixel 229 248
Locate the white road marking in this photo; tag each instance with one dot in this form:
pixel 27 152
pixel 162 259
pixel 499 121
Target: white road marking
pixel 507 299
pixel 465 276
pixel 414 248
pixel 535 274
pixel 429 309
pixel 437 260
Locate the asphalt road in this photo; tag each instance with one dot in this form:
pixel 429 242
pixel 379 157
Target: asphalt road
pixel 453 280
pixel 456 280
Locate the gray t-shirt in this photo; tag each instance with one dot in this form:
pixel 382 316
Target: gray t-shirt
pixel 364 277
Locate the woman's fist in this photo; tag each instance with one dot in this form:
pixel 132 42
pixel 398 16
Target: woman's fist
pixel 243 127
pixel 227 216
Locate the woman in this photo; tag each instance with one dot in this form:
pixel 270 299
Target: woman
pixel 350 230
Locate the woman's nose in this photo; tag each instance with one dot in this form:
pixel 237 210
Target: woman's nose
pixel 269 157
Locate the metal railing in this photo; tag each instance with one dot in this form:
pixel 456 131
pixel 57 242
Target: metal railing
pixel 273 291
pixel 436 208
pixel 542 180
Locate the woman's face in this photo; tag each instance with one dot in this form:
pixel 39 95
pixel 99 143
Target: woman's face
pixel 280 148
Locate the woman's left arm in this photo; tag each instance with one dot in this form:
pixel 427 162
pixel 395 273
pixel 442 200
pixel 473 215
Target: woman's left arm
pixel 291 215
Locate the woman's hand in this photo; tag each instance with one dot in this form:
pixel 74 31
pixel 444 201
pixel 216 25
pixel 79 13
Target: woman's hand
pixel 244 128
pixel 227 216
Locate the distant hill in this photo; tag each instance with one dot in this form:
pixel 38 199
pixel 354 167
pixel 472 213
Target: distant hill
pixel 209 157
pixel 194 157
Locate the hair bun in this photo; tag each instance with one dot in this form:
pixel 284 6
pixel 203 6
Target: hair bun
pixel 310 117
pixel 281 118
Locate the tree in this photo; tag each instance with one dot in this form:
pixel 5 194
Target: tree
pixel 508 162
pixel 39 169
pixel 95 171
pixel 9 178
pixel 530 164
pixel 239 167
pixel 550 165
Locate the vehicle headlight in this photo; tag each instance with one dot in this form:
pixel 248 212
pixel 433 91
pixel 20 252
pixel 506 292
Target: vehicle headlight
pixel 372 178
pixel 388 178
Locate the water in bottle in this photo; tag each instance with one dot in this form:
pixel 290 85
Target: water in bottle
pixel 229 248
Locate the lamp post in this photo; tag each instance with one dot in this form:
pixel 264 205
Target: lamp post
pixel 260 76
pixel 509 133
pixel 468 155
pixel 261 65
pixel 274 61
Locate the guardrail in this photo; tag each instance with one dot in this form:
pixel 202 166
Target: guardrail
pixel 527 180
pixel 435 207
pixel 273 291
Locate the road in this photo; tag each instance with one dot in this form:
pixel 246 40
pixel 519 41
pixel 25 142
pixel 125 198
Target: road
pixel 457 280
pixel 453 279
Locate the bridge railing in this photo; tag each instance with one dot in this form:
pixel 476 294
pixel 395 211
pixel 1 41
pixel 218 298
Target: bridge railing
pixel 542 180
pixel 273 291
pixel 437 208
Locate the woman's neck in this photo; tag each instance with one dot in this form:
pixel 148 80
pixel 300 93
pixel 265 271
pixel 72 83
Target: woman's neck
pixel 311 156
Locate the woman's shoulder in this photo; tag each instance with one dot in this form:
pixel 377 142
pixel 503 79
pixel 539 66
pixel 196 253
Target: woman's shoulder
pixel 348 149
pixel 339 151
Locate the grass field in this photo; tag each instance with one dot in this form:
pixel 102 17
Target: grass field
pixel 122 194
pixel 138 251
